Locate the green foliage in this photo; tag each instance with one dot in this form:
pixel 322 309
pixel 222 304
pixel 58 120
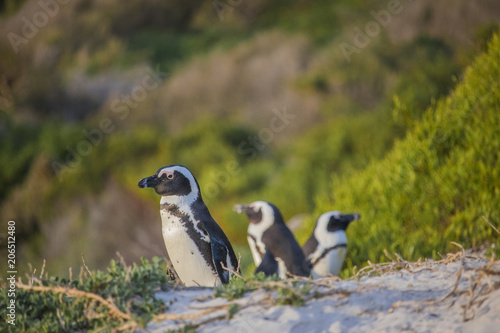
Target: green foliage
pixel 238 286
pixel 171 49
pixel 287 293
pixel 437 183
pixel 319 19
pixel 130 288
pixel 16 153
pixel 233 309
pixel 10 6
pixel 426 64
pixel 339 146
pixel 189 328
pixel 235 289
pixel 21 145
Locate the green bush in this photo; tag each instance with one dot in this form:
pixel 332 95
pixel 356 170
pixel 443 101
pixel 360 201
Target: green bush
pixel 129 288
pixel 435 186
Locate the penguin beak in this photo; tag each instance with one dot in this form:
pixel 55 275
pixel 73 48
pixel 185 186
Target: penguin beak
pixel 350 217
pixel 242 208
pixel 342 222
pixel 253 216
pixel 149 182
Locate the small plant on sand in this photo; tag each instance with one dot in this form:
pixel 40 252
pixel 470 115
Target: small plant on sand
pixel 287 292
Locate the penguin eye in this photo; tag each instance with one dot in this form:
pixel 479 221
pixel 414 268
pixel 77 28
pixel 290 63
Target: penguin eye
pixel 168 173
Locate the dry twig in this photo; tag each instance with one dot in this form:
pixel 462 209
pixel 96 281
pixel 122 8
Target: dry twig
pixel 72 292
pixel 85 265
pixel 230 270
pixel 434 301
pixel 494 228
pixel 184 317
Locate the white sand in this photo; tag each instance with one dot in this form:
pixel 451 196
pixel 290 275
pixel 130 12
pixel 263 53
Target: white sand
pixel 368 305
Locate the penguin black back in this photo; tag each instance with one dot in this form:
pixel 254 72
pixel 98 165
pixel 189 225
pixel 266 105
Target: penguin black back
pixel 310 245
pixel 280 241
pixel 268 227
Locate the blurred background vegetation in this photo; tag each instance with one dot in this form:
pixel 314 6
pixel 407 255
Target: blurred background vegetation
pixel 104 93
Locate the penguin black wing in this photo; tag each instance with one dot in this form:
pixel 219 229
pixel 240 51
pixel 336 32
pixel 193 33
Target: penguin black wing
pixel 268 265
pixel 280 241
pixel 219 256
pixel 221 251
pixel 220 245
pixel 310 246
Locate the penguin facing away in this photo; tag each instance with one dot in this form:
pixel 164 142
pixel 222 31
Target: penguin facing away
pixel 196 245
pixel 326 249
pixel 273 245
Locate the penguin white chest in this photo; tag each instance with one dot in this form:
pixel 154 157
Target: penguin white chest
pixel 330 264
pixel 255 242
pixel 255 254
pixel 188 261
pixel 256 246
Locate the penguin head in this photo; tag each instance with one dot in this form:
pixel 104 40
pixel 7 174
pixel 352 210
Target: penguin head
pixel 175 181
pixel 261 213
pixel 335 221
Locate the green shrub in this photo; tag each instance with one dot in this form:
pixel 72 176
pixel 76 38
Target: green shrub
pixel 437 183
pixel 131 289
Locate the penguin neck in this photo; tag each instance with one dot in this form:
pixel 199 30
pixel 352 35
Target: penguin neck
pixel 258 229
pixel 329 239
pixel 188 210
pixel 183 202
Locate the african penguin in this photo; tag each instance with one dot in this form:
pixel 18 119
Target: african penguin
pixel 273 245
pixel 258 250
pixel 326 249
pixel 195 243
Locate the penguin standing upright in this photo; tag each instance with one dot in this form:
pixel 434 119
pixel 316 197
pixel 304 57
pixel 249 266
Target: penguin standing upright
pixel 254 231
pixel 196 245
pixel 326 249
pixel 273 245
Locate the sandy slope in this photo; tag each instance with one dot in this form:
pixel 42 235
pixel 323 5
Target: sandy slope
pixel 459 294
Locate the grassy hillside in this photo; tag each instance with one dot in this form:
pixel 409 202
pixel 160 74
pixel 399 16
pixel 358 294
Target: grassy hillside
pixel 436 185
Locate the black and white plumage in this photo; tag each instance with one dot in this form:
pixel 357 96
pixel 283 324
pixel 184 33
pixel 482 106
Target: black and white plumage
pixel 326 249
pixel 255 229
pixel 273 245
pixel 195 243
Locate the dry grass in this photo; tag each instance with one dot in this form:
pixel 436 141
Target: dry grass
pixel 479 280
pixel 73 292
